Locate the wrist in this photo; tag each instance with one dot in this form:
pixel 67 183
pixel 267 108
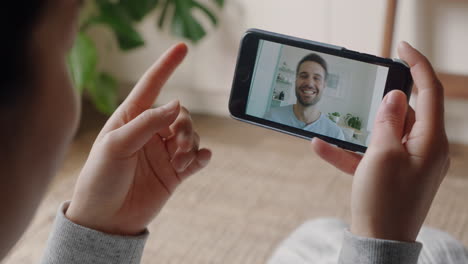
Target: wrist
pixel 74 215
pixel 98 221
pixel 86 218
pixel 387 230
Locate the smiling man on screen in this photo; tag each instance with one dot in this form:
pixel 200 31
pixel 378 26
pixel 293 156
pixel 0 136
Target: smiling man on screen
pixel 311 76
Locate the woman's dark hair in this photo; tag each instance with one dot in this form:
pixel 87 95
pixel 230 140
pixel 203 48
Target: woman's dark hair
pixel 17 20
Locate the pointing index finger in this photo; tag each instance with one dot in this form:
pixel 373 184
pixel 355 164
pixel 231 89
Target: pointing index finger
pixel 147 89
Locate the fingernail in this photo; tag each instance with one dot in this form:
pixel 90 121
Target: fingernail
pixel 170 107
pixel 184 45
pixel 177 167
pixel 203 162
pixel 394 97
pixel 180 169
pixel 404 45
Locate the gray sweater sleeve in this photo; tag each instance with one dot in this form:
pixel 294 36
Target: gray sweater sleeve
pixel 71 243
pixel 364 250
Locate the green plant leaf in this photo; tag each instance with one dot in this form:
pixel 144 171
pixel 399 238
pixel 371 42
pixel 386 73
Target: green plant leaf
pixel 219 2
pixel 162 17
pixel 354 122
pixel 205 10
pixel 119 21
pixel 82 61
pixel 184 24
pixel 104 93
pixel 138 9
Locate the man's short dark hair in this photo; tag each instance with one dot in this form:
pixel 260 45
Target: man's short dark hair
pixel 315 58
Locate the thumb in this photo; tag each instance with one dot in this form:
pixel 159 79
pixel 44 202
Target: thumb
pixel 131 137
pixel 390 120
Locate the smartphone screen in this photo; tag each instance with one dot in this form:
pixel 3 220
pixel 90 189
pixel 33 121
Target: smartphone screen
pixel 317 92
pixel 308 91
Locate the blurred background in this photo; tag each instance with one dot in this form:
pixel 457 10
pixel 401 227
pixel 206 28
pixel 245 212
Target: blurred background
pixel 260 185
pixel 203 82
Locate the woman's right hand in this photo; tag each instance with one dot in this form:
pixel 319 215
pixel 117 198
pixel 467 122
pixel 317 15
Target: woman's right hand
pixel 141 155
pixel 396 180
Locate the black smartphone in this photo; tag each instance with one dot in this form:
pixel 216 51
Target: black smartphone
pixel 311 89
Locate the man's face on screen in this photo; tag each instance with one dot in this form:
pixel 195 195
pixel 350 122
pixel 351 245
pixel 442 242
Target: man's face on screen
pixel 310 83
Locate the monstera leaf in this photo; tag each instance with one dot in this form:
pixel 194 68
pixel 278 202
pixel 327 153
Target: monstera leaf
pixel 121 17
pixel 183 23
pixel 119 20
pixel 137 10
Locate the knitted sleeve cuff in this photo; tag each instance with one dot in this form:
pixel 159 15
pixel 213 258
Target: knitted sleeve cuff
pixel 71 243
pixel 365 250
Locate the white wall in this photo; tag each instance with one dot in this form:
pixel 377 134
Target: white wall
pixel 438 29
pixel 264 77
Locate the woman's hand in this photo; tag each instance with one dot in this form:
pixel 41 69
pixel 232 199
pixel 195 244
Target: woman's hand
pixel 139 158
pixel 399 175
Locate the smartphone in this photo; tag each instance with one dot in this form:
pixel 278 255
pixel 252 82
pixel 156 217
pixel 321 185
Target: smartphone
pixel 311 89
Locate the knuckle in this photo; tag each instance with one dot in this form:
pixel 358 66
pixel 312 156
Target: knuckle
pixel 439 142
pixel 437 155
pixel 147 115
pixel 389 119
pixel 150 115
pixel 184 110
pixel 186 120
pixel 393 154
pixel 109 138
pixel 438 87
pixel 185 114
pixel 185 125
pixel 111 142
pixel 388 155
pixel 438 83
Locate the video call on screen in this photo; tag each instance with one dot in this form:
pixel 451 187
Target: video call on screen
pixel 339 102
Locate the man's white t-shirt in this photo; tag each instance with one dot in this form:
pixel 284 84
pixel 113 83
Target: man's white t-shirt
pixel 323 126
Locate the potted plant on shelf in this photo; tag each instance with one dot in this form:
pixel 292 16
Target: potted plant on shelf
pixel 335 117
pixel 121 17
pixel 353 121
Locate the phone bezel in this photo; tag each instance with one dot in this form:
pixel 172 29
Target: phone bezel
pixel 399 77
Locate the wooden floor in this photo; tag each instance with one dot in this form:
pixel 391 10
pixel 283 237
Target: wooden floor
pixel 259 186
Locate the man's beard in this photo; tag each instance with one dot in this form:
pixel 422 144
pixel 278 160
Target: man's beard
pixel 314 101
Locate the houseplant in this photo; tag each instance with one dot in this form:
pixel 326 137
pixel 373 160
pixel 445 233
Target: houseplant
pixel 353 121
pixel 335 117
pixel 121 18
